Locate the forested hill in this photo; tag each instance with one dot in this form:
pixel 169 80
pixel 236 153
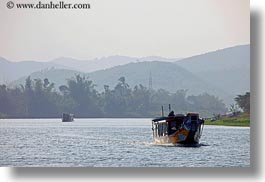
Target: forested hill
pixel 224 73
pixel 228 69
pixel 57 76
pixel 105 62
pixel 168 76
pixel 10 71
pixel 198 83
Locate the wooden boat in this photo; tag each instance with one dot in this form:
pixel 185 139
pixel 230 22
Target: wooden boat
pixel 66 117
pixel 178 129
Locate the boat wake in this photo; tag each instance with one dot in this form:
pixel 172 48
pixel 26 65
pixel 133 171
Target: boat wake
pixel 192 145
pixel 182 145
pixel 170 144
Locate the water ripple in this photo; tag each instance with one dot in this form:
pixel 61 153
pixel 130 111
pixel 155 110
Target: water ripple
pixel 115 143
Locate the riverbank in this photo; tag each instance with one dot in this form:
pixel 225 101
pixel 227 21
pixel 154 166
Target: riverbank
pixel 241 120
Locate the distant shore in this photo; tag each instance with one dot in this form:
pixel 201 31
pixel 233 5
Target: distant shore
pixel 242 120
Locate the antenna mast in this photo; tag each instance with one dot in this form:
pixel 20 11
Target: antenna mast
pixel 150 81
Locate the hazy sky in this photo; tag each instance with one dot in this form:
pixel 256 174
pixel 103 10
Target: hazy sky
pixel 168 28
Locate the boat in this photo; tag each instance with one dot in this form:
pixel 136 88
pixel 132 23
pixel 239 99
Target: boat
pixel 178 129
pixel 67 117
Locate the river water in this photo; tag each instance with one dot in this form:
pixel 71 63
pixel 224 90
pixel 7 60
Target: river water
pixel 115 143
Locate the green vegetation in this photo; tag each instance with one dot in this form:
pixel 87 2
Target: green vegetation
pixel 39 99
pixel 235 118
pixel 241 120
pixel 243 101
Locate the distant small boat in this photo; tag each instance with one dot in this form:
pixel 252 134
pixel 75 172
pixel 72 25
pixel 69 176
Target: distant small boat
pixel 178 129
pixel 66 117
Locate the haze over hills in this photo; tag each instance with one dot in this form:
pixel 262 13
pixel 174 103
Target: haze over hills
pixel 224 73
pixel 10 71
pixel 228 69
pixel 168 76
pixel 171 78
pixel 56 76
pixel 164 75
pixel 105 62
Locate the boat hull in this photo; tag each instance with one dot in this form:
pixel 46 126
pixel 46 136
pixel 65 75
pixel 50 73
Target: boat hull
pixel 181 137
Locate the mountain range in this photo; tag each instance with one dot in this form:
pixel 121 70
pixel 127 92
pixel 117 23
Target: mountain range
pixel 105 62
pixel 10 71
pixel 227 69
pixel 224 73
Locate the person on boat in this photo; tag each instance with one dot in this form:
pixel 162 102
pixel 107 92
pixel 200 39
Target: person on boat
pixel 171 114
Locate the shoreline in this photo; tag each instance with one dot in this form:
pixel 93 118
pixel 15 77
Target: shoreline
pixel 207 124
pixel 242 120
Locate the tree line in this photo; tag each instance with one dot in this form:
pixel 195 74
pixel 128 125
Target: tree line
pixel 243 101
pixel 39 99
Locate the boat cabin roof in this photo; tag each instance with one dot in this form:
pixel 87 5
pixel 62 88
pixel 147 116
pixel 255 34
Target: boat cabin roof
pixel 168 118
pixel 161 119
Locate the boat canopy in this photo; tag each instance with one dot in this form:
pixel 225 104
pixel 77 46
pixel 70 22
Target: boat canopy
pixel 159 119
pixel 168 118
